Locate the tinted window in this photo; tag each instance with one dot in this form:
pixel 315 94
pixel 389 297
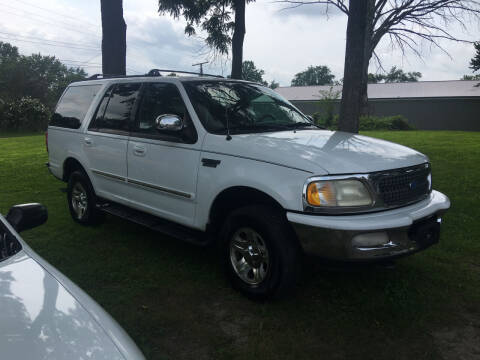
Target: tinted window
pixel 119 106
pixel 73 106
pixel 98 117
pixel 245 107
pixel 159 99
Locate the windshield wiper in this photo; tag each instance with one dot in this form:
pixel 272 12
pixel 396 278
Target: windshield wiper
pixel 299 125
pixel 261 127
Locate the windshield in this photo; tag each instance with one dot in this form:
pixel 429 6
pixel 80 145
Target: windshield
pixel 245 107
pixel 9 245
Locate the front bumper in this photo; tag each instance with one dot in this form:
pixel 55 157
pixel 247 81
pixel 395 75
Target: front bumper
pixel 375 236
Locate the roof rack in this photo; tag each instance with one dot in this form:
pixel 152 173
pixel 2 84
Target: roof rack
pixel 157 72
pixel 153 72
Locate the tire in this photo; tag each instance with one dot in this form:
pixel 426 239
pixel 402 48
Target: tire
pixel 270 267
pixel 82 199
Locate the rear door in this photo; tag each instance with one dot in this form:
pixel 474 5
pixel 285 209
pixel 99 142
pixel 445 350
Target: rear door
pixel 106 140
pixel 163 166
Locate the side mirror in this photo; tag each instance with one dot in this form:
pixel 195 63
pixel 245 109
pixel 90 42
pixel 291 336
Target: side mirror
pixel 169 122
pixel 27 216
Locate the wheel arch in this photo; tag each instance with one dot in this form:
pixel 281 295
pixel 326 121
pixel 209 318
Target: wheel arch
pixel 235 197
pixel 70 165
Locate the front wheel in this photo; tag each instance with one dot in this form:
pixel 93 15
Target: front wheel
pixel 260 253
pixel 82 200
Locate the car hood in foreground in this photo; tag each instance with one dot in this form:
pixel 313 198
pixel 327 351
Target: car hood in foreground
pixel 318 151
pixel 41 319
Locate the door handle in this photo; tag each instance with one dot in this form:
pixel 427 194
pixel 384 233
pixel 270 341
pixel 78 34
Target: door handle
pixel 88 141
pixel 139 150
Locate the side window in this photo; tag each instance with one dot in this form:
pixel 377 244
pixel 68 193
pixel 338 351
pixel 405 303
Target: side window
pixel 98 117
pixel 73 106
pixel 159 99
pixel 115 110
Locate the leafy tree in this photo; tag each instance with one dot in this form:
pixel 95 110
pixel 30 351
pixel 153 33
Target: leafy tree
pixel 314 75
pixel 471 77
pixel 251 73
pixel 475 62
pixel 394 75
pixel 36 76
pixel 215 18
pixel 114 40
pixel 375 78
pixel 273 85
pixel 398 75
pixel 404 22
pixel 8 52
pixel 25 114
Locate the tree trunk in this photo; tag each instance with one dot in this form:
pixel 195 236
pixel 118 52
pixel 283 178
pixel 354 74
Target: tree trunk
pixel 368 53
pixel 237 39
pixel 114 41
pixel 351 104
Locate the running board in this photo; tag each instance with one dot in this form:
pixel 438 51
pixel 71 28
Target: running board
pixel 155 223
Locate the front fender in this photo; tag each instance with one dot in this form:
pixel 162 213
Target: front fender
pixel 283 184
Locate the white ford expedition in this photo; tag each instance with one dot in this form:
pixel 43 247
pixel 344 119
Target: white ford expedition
pixel 210 159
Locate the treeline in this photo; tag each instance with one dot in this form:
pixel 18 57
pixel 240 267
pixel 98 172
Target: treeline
pixel 30 86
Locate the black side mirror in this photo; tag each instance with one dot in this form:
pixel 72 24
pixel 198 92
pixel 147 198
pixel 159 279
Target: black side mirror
pixel 27 216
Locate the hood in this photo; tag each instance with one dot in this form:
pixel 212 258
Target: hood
pixel 319 152
pixel 40 319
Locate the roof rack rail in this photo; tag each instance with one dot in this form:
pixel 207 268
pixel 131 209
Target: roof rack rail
pixel 108 76
pixel 153 72
pixel 157 72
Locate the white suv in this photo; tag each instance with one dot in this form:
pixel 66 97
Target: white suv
pixel 210 159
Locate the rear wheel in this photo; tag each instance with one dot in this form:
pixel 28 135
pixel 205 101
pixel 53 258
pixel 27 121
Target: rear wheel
pixel 260 254
pixel 82 199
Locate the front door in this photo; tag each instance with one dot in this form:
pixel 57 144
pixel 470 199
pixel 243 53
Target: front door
pixel 106 141
pixel 163 165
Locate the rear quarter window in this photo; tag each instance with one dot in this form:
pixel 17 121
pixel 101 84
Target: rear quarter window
pixel 73 106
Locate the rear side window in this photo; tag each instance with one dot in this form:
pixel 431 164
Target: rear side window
pixel 73 106
pixel 115 110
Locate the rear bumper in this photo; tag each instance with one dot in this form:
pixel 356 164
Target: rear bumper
pixel 375 236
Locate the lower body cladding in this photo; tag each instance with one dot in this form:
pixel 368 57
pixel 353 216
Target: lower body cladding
pixel 376 236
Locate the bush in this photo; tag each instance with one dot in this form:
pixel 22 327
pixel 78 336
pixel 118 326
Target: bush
pixel 396 122
pixel 25 114
pixel 328 122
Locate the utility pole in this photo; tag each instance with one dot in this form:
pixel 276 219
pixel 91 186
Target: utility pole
pixel 201 66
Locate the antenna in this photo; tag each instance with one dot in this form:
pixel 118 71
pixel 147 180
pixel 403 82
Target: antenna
pixel 201 66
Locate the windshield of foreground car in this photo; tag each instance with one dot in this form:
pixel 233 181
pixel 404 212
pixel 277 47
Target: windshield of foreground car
pixel 9 245
pixel 247 108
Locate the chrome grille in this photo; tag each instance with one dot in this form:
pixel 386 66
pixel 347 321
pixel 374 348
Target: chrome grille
pixel 402 186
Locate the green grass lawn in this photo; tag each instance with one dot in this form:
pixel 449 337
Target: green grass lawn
pixel 173 300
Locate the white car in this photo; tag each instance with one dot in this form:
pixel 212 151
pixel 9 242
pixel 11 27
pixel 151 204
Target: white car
pixel 209 160
pixel 43 315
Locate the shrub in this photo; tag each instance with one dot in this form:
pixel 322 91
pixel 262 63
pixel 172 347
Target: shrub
pixel 25 114
pixel 326 121
pixel 396 122
pixel 326 117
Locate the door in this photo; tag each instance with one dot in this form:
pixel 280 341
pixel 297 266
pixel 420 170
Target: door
pixel 106 141
pixel 163 165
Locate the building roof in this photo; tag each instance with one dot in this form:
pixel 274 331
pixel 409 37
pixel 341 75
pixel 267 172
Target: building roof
pixel 421 89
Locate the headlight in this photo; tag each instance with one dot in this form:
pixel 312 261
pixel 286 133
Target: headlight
pixel 338 193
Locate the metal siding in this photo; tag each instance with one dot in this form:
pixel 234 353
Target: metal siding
pixel 423 114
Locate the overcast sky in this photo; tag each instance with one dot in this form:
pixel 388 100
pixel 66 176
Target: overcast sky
pixel 280 42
